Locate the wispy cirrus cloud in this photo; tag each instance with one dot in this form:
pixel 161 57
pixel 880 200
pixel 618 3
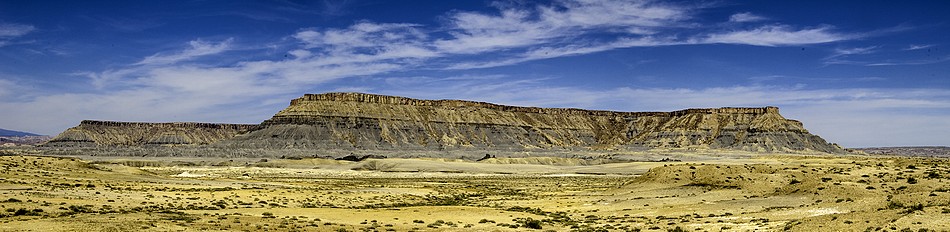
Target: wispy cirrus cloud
pixel 14 29
pixel 583 27
pixel 10 31
pixel 840 55
pixel 121 77
pixel 777 35
pixel 125 24
pixel 863 56
pixel 547 52
pixel 365 42
pixel 479 32
pixel 918 47
pixel 890 62
pixel 853 51
pixel 745 17
pixel 196 48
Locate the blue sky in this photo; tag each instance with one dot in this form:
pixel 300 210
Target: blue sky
pixel 869 73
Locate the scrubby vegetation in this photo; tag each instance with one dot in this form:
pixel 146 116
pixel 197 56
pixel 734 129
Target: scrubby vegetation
pixel 782 193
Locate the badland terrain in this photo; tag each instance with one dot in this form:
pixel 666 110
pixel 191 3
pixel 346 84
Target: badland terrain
pixel 362 162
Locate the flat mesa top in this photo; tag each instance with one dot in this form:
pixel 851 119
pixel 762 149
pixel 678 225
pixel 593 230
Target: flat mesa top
pixel 395 100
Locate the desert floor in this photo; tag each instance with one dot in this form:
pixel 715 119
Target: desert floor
pixel 765 192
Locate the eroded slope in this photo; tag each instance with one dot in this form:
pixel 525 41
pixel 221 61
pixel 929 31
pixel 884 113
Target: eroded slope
pixel 105 133
pixel 365 121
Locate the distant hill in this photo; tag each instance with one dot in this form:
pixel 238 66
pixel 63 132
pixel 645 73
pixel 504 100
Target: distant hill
pixel 11 133
pixel 934 151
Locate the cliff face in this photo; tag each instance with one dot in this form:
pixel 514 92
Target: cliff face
pixel 105 133
pixel 365 121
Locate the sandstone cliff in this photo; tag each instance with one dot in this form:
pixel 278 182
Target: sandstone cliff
pixel 376 122
pixel 105 133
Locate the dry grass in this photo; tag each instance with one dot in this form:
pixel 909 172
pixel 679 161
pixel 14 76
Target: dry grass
pixel 765 193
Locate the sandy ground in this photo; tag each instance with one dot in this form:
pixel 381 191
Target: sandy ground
pixel 765 192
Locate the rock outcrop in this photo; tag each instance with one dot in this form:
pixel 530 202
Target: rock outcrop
pixel 125 134
pixel 377 122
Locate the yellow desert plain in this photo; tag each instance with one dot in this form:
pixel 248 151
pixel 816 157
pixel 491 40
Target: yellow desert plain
pixel 688 191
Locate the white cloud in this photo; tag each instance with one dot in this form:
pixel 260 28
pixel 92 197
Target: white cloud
pixel 854 51
pixel 515 35
pixel 360 35
pixel 11 31
pixel 14 30
pixel 570 28
pixel 366 42
pixel 568 50
pixel 776 35
pixel 513 28
pixel 745 17
pixel 918 47
pixel 300 53
pixel 847 56
pixel 196 48
pixel 839 55
pixel 476 32
pixel 908 62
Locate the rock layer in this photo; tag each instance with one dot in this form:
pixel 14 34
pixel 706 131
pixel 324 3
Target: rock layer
pixel 106 133
pixel 377 122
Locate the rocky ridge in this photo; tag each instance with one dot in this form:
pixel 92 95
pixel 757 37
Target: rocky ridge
pixel 368 122
pixel 377 122
pixel 7 141
pixel 92 133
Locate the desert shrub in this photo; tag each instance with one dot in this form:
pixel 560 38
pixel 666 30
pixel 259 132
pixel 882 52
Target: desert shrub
pixel 533 224
pixel 933 175
pixel 81 209
pixel 894 205
pixel 911 180
pixel 26 212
